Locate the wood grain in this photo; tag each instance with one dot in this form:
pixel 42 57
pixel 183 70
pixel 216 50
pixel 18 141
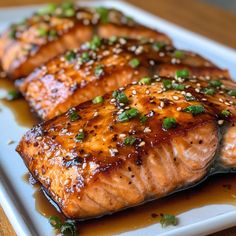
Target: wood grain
pixel 208 20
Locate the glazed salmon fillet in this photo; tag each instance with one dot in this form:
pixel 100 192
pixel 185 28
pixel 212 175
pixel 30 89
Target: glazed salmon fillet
pixel 140 142
pixel 56 28
pixel 101 66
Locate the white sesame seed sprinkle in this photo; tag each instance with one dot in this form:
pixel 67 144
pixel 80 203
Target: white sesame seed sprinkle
pixel 220 122
pixel 9 142
pixel 176 98
pixel 178 108
pixel 141 144
pixel 122 135
pixel 147 130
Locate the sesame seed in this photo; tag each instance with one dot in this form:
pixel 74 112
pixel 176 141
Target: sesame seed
pixel 147 92
pixel 178 108
pixel 147 130
pixel 95 114
pixel 188 94
pixel 227 103
pixel 113 100
pixel 152 63
pixel 204 99
pixel 221 100
pixel 80 130
pixel 39 138
pixel 161 54
pixel 63 131
pixel 9 142
pixel 122 135
pixel 134 92
pixel 46 147
pixel 197 90
pixel 113 151
pixel 141 144
pixel 220 122
pixel 162 104
pixel 176 98
pixel 183 92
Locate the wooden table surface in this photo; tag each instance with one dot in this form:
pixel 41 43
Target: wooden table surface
pixel 210 21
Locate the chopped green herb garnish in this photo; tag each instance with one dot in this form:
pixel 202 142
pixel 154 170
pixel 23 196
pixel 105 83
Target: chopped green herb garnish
pixel 113 39
pixel 134 62
pixel 99 70
pixel 128 114
pixel 182 73
pixel 194 109
pixel 158 46
pixel 225 113
pixel 49 9
pixel 143 119
pixel 145 80
pixel 85 57
pixel 169 123
pixel 178 54
pixel 55 222
pixel 42 32
pixel 69 228
pixel 178 86
pixel 209 91
pixel 70 55
pixel 12 33
pixel 73 115
pixel 52 33
pixel 66 228
pixel 80 136
pixel 98 99
pixel 12 95
pixel 129 141
pixel 167 220
pixel 103 13
pixel 232 93
pixel 190 98
pixel 69 12
pixel 120 96
pixel 215 83
pixel 167 84
pixel 95 43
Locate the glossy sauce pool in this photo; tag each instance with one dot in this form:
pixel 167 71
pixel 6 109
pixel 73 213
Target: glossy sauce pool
pixel 219 189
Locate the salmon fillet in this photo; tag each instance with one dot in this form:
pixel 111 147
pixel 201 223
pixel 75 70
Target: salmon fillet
pixel 56 28
pixel 80 75
pixel 138 143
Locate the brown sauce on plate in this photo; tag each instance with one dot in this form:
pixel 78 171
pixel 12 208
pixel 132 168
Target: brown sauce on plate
pixel 219 189
pixel 19 107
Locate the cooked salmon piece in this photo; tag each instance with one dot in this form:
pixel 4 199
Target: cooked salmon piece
pixel 56 28
pixel 80 75
pixel 140 142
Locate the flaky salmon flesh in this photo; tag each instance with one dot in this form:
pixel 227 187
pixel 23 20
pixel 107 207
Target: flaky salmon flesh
pixel 140 142
pixel 80 75
pixel 56 28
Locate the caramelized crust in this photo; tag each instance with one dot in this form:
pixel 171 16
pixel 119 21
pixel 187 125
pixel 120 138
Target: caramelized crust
pixel 101 158
pixel 63 83
pixel 29 44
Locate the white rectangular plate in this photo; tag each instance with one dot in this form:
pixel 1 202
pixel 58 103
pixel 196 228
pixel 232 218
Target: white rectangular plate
pixel 16 196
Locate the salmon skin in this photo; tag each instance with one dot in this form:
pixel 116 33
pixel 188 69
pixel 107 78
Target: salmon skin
pixel 140 142
pixel 56 28
pixel 92 70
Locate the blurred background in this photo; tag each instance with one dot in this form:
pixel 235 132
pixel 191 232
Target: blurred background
pixel 215 19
